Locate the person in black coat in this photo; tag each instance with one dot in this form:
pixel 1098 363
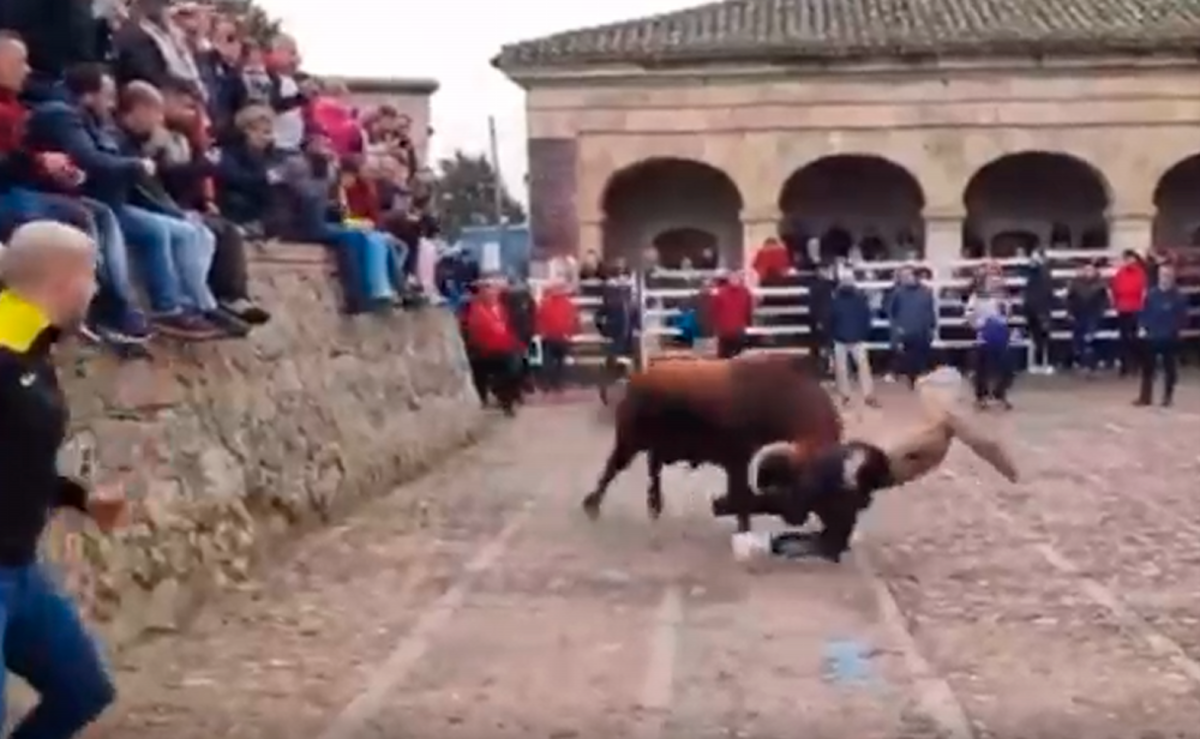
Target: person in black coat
pixel 1038 305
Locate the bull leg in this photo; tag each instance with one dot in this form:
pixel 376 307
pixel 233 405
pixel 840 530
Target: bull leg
pixel 654 500
pixel 618 460
pixel 741 498
pixel 834 539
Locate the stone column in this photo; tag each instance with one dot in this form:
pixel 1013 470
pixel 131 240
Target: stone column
pixel 943 238
pixel 1131 231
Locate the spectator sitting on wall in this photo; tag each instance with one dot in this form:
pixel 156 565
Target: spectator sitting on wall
pixel 248 169
pixel 256 77
pixel 287 98
pixel 153 48
pixel 186 171
pixel 308 185
pixel 220 68
pixel 332 116
pixel 44 185
pixel 83 130
pixel 193 251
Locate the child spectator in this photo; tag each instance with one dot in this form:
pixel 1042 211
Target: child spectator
pixel 850 330
pixel 256 78
pixel 220 68
pixel 988 315
pixel 557 325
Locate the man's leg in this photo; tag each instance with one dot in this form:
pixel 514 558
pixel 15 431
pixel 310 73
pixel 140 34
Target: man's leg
pixel 195 247
pixel 150 235
pixel 1170 363
pixel 46 645
pixel 841 370
pixel 861 355
pixel 1149 360
pixel 122 318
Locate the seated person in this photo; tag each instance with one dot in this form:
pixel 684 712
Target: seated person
pixel 45 184
pixel 358 194
pixel 173 253
pixel 141 120
pixel 186 171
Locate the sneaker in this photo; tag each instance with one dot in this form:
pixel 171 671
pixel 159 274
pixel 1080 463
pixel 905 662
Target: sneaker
pixel 131 328
pixel 246 310
pixel 227 323
pixel 185 325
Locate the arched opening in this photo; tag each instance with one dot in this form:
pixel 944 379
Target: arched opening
pixel 1177 206
pixel 854 204
pixel 693 246
pixel 684 205
pixel 1035 199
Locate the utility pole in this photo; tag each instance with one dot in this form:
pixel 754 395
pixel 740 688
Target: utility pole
pixel 498 182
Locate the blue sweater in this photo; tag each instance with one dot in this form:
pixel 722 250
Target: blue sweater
pixel 1163 314
pixel 849 315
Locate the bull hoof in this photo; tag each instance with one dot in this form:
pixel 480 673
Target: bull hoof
pixel 591 507
pixel 654 510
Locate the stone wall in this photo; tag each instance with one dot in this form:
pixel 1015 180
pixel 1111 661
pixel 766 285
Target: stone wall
pixel 222 448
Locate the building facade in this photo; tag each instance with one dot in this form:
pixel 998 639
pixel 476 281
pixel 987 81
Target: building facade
pixel 953 126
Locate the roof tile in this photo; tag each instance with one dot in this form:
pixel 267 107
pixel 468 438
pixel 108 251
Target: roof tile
pixel 798 30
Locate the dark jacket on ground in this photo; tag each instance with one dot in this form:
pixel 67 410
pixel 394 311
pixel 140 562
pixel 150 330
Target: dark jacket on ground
pixel 33 425
pixel 93 145
pixel 1164 314
pixel 913 313
pixel 849 315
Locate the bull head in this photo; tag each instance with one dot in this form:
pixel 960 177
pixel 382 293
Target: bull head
pixel 794 475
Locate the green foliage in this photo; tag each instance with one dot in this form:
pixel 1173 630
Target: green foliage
pixel 465 191
pixel 259 26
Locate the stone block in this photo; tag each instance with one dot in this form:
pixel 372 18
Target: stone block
pixel 223 449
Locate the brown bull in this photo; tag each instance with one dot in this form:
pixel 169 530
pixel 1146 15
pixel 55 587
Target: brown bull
pixel 768 423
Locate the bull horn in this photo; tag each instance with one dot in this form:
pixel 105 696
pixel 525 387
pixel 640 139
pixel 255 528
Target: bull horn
pixel 773 449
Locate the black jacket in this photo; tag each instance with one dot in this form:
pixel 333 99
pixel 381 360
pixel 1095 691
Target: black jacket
pixel 33 425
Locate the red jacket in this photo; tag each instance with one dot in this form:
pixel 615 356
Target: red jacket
pixel 730 309
pixel 361 199
pixel 1129 288
pixel 557 317
pixel 488 327
pixel 771 260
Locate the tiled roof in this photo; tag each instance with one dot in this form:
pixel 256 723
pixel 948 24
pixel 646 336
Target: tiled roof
pixel 748 30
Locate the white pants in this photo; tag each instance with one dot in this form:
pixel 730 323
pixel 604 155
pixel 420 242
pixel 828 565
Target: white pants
pixel 842 356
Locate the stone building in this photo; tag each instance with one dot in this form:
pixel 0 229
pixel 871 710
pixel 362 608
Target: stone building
pixel 962 124
pixel 409 96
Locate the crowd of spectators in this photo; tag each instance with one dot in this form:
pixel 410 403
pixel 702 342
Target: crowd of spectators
pixel 173 137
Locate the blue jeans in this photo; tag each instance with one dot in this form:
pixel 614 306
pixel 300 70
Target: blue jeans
pixel 19 205
pixel 372 255
pixel 174 254
pixel 46 645
pixel 1083 344
pixel 114 257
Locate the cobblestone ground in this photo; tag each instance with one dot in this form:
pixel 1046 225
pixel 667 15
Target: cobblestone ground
pixel 479 601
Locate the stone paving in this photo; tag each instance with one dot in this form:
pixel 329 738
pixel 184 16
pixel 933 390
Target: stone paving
pixel 480 601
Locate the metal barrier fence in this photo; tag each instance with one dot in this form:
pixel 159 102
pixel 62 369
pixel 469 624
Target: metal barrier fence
pixel 783 321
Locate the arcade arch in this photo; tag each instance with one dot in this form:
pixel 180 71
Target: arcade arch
pixel 1035 198
pixel 681 206
pixel 1177 206
pixel 854 202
